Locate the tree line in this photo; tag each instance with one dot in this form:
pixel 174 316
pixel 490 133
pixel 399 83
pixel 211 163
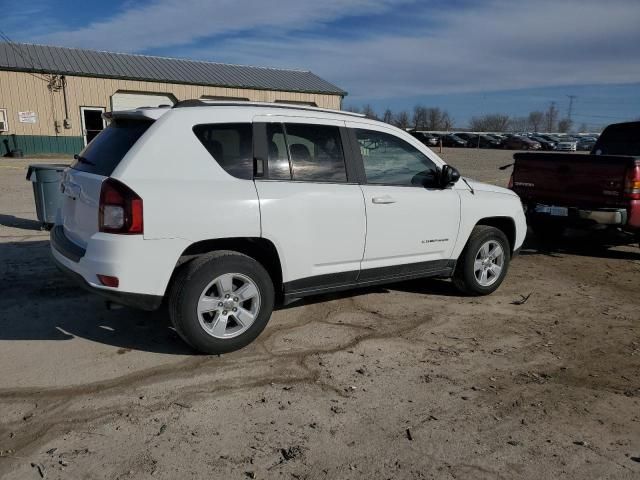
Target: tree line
pixel 436 119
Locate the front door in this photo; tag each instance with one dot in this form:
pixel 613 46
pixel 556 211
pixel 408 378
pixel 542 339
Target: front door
pixel 412 224
pixel 92 122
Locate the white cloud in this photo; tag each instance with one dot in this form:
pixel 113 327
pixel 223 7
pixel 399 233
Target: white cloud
pixel 497 45
pixel 165 23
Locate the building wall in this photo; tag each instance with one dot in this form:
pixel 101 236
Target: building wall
pixel 22 92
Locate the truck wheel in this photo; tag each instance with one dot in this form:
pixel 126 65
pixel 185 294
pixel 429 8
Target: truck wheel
pixel 221 302
pixel 484 262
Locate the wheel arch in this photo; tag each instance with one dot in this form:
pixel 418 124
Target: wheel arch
pixel 505 224
pixel 260 249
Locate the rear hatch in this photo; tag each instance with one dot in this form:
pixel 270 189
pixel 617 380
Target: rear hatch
pixel 571 180
pixel 81 184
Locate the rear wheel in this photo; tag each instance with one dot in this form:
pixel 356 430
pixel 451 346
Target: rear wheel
pixel 221 302
pixel 484 262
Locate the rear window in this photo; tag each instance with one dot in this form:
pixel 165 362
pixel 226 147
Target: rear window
pixel 622 139
pixel 104 153
pixel 231 145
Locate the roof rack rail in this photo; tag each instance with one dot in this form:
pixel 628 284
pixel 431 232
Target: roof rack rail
pixel 243 103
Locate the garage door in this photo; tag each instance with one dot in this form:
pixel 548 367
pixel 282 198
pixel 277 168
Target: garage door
pixel 130 100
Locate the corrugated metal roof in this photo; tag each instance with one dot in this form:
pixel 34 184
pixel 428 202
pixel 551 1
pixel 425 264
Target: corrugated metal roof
pixel 90 63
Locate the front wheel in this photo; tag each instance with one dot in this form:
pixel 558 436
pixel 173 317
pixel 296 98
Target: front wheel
pixel 484 262
pixel 221 302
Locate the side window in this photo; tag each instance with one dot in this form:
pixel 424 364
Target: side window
pixel 389 160
pixel 316 153
pixel 230 144
pixel 279 168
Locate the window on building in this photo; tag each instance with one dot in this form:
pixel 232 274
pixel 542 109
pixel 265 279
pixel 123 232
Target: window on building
pixel 4 126
pixel 230 144
pixel 389 160
pixel 316 153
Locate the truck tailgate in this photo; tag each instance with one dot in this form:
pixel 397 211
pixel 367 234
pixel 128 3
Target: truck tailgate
pixel 569 179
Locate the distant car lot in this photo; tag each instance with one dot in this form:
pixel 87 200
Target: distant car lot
pixel 508 141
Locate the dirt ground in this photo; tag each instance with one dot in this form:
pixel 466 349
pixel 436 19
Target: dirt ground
pixel 408 381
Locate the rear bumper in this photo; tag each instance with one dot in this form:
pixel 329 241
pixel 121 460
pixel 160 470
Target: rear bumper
pixel 605 216
pixel 143 267
pixel 134 300
pixel 613 216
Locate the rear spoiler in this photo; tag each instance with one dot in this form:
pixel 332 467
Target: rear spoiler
pixel 137 114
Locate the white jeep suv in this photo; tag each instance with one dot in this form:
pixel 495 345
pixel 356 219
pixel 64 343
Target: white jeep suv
pixel 224 209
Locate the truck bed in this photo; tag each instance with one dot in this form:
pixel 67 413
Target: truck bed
pixel 571 180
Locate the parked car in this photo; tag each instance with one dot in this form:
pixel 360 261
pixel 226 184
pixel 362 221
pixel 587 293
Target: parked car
pixel 517 142
pixel 586 144
pixel 269 203
pixel 567 145
pixel 601 190
pixel 482 141
pixel 427 138
pixel 498 138
pixel 451 140
pixel 465 136
pixel 546 144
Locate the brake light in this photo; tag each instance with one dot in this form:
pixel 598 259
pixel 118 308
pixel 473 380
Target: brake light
pixel 510 185
pixel 632 183
pixel 120 209
pixel 108 280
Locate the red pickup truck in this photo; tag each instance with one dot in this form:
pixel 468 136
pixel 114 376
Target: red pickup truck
pixel 598 190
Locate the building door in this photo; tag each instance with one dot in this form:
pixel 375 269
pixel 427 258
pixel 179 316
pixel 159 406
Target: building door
pixel 92 122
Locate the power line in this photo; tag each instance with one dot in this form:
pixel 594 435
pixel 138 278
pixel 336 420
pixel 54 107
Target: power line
pixel 30 61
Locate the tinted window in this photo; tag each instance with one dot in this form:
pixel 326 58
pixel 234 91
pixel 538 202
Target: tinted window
pixel 316 153
pixel 279 168
pixel 390 160
pixel 620 139
pixel 230 144
pixel 109 147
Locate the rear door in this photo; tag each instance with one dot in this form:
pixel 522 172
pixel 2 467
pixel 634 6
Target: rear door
pixel 310 203
pixel 81 184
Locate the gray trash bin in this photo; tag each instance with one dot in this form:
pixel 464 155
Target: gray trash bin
pixel 46 178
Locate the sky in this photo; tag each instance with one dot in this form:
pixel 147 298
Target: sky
pixel 470 57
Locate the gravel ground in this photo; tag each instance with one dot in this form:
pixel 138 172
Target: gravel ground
pixel 539 380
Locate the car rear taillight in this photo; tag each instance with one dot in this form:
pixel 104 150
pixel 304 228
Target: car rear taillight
pixel 108 280
pixel 120 209
pixel 510 185
pixel 632 183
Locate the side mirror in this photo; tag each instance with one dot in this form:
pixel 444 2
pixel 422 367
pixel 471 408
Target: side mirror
pixel 448 176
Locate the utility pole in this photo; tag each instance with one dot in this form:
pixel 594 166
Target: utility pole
pixel 550 116
pixel 571 99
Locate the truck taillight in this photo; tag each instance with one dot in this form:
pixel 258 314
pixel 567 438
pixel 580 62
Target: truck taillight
pixel 632 183
pixel 120 209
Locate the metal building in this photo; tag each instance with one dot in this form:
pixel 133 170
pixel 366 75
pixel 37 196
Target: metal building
pixel 52 98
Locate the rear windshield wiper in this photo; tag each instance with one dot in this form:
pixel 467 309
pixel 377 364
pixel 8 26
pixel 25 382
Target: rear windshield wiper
pixel 82 159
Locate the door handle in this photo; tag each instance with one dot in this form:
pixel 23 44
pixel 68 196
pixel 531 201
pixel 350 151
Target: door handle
pixel 384 200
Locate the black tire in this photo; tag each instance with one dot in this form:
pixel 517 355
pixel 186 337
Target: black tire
pixel 190 282
pixel 464 277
